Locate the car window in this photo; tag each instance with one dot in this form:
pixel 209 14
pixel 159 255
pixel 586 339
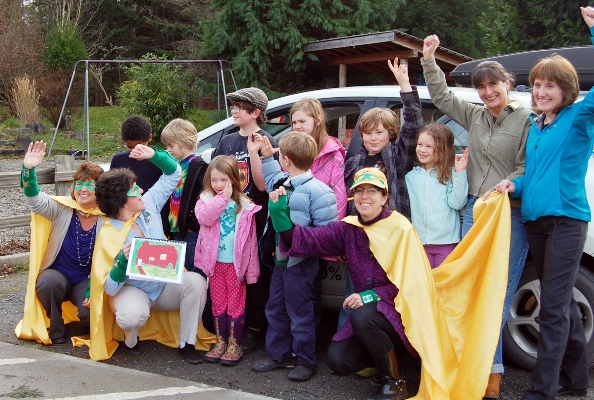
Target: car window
pixel 460 134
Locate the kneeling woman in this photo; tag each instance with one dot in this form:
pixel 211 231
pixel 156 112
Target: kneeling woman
pixel 131 300
pixel 375 327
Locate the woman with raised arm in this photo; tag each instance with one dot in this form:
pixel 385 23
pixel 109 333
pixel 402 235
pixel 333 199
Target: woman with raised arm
pixel 556 212
pixel 496 151
pixel 66 227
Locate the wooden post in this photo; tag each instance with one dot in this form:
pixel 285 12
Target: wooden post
pixel 341 83
pixel 64 164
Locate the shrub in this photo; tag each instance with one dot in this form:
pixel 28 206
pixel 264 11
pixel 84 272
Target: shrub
pixel 155 91
pixel 63 47
pixel 25 100
pixel 12 123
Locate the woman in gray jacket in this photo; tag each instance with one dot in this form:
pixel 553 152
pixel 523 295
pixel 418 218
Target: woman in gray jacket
pixel 497 150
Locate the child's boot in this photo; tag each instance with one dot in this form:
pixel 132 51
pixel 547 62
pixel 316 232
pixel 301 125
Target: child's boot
pixel 222 331
pixel 234 352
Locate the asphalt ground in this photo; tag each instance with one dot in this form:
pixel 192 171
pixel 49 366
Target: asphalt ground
pixel 161 360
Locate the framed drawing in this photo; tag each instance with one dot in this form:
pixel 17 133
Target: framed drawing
pixel 156 260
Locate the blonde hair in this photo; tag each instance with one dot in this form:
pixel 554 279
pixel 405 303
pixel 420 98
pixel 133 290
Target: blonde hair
pixel 300 148
pixel 226 165
pixel 313 108
pixel 444 151
pixel 559 70
pixel 376 116
pixel 182 132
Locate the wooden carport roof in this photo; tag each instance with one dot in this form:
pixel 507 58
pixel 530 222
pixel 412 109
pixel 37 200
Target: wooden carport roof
pixel 370 51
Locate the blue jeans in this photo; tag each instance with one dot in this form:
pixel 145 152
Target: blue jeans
pixel 557 244
pixel 518 250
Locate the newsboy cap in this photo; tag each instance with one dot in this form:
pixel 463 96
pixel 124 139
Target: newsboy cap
pixel 252 95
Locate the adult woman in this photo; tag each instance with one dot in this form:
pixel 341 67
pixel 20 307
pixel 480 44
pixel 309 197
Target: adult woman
pixel 131 300
pixel 497 146
pixel 557 152
pixel 65 266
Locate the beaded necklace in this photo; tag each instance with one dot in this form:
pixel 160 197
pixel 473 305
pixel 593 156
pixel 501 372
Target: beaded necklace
pixel 82 239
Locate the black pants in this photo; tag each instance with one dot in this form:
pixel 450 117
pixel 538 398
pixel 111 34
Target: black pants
pixel 556 245
pixel 374 336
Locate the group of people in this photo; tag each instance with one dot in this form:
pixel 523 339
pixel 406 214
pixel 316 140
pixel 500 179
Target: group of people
pixel 261 220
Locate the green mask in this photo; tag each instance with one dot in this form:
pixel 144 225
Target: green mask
pixel 134 191
pixel 90 185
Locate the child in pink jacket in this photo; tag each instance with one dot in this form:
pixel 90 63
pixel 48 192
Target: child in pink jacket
pixel 227 252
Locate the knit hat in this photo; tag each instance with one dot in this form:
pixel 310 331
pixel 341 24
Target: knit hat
pixel 372 176
pixel 251 95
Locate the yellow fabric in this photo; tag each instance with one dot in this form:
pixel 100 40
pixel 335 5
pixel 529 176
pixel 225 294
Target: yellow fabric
pixel 451 314
pixel 162 326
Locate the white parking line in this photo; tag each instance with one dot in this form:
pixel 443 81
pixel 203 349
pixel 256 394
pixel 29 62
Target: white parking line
pixel 12 361
pixel 172 391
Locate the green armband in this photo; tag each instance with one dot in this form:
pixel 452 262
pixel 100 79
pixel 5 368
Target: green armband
pixel 280 214
pixel 164 161
pixel 118 272
pixel 88 291
pixel 29 182
pixel 369 296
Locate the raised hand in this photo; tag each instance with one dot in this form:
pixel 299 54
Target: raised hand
pixel 34 155
pixel 274 195
pixel 228 190
pixel 430 44
pixel 267 150
pixel 588 14
pixel 462 161
pixel 401 74
pixel 254 142
pixel 142 152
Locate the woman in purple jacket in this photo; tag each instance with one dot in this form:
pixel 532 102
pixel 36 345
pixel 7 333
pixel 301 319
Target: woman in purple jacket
pixel 374 327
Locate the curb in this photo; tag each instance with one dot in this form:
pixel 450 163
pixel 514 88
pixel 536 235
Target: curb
pixel 14 259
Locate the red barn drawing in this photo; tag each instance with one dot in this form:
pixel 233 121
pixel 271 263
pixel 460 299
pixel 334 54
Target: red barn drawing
pixel 157 254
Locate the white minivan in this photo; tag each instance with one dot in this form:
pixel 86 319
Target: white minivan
pixel 521 332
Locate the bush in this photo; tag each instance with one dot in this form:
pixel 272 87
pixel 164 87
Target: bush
pixel 25 100
pixel 63 48
pixel 155 91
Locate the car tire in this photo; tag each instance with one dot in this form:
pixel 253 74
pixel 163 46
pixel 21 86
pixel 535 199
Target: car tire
pixel 520 335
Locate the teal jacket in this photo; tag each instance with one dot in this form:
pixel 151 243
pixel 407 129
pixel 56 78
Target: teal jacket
pixel 556 163
pixel 434 206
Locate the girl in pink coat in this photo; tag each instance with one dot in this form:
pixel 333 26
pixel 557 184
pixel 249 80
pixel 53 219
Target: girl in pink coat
pixel 307 116
pixel 227 252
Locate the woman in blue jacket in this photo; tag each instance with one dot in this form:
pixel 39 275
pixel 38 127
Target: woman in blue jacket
pixel 556 213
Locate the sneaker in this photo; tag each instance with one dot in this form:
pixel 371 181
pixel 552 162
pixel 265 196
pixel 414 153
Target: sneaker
pixel 252 340
pixel 135 351
pixel 269 365
pixel 302 373
pixel 190 354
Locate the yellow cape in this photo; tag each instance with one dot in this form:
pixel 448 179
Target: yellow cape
pixel 162 326
pixel 451 314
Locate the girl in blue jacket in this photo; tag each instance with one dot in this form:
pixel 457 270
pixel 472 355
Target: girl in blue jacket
pixel 438 189
pixel 556 213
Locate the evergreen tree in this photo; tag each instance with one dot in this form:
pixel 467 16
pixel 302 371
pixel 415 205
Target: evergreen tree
pixel 264 39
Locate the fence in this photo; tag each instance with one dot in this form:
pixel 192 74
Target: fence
pixel 61 175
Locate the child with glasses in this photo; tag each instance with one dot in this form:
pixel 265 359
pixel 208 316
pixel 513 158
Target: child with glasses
pixel 438 190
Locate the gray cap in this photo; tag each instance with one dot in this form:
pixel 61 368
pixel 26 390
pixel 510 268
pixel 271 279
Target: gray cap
pixel 250 95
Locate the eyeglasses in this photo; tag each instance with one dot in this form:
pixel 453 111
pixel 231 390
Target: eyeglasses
pixel 134 191
pixel 236 109
pixel 90 185
pixel 370 191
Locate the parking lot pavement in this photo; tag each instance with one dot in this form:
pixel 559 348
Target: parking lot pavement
pixel 26 373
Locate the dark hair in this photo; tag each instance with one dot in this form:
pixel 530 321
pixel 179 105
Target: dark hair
pixel 136 127
pixel 493 71
pixel 444 151
pixel 111 190
pixel 559 70
pixel 87 171
pixel 250 108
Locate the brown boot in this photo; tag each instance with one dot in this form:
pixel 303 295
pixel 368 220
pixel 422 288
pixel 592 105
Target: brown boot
pixel 492 391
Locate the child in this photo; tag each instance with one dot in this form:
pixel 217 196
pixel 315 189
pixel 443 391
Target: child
pixel 137 130
pixel 249 112
pixel 307 116
pixel 384 149
pixel 290 313
pixel 438 189
pixel 228 254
